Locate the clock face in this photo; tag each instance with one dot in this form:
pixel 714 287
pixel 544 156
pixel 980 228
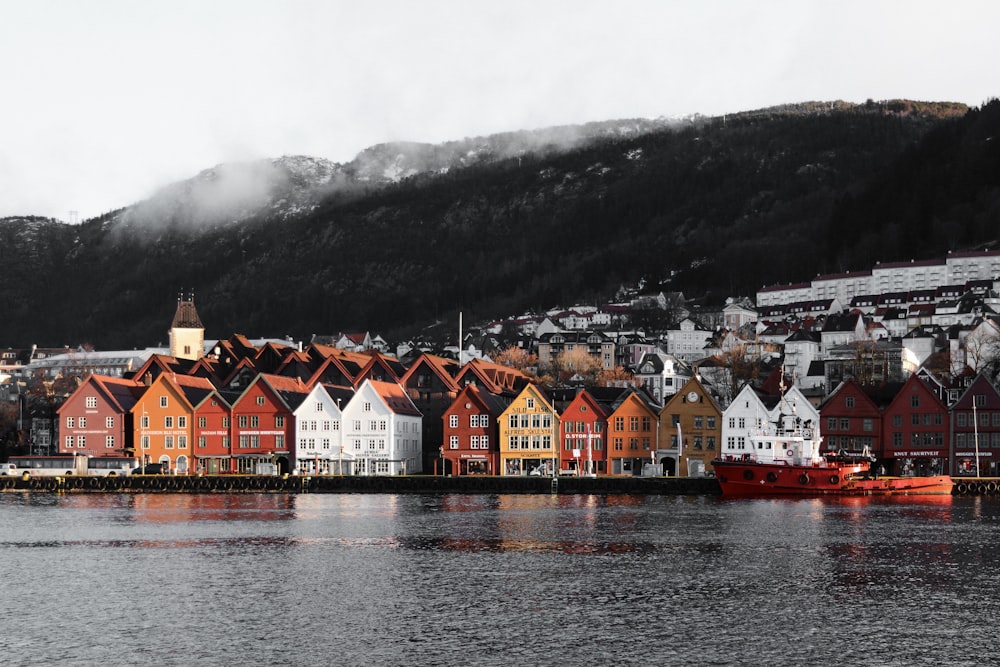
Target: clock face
pixel 692 396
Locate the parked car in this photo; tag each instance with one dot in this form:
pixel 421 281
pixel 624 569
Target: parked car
pixel 149 469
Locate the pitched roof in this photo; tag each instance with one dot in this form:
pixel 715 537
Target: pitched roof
pixel 186 317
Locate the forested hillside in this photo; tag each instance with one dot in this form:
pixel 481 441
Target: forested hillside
pixel 712 207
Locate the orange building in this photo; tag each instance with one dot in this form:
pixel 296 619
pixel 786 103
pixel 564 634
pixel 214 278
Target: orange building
pixel 632 434
pixel 164 419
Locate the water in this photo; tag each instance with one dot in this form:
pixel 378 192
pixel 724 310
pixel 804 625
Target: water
pixel 496 580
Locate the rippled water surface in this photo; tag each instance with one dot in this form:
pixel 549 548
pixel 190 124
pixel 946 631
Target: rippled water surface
pixel 496 580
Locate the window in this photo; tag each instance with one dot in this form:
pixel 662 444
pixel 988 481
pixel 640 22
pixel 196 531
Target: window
pixel 319 407
pixel 831 423
pixel 202 422
pixel 182 442
pixel 453 421
pixel 145 441
pixel 144 421
pixel 83 422
pixel 698 423
pixel 225 421
pixel 473 442
pixel 70 422
pixel 845 424
pixel 109 422
pixel 897 420
pixel 710 423
pixel 368 407
pixel 915 401
pixel 979 400
pixel 849 401
pixel 484 442
pixel 868 424
pixel 279 441
pixel 279 421
pixel 960 418
pixel 182 422
pixel 91 401
pixel 513 421
pixel 254 421
pixel 109 442
pixel 168 442
pixel 619 423
pixel 530 403
pixel 709 443
pixel 260 400
pixel 619 444
pixel 202 442
pixel 168 422
pixel 163 401
pixel 243 421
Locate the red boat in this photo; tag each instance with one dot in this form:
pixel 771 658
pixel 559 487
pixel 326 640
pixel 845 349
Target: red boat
pixel 787 461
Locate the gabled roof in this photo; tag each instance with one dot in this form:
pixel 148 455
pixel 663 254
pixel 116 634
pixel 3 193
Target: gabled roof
pixel 444 369
pixel 495 378
pixel 841 322
pixel 120 393
pixel 494 404
pixel 194 389
pixel 394 397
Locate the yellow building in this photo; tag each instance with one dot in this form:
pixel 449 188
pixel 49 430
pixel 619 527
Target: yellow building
pixel 529 435
pixel 699 434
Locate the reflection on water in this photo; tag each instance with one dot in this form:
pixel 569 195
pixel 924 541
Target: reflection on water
pixel 496 580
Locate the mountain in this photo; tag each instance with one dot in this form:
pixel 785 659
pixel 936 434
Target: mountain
pixel 407 234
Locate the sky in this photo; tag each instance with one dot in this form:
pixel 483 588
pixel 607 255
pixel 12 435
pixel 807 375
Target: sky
pixel 103 102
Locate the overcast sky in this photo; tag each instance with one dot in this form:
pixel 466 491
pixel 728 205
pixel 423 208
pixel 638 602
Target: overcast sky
pixel 105 101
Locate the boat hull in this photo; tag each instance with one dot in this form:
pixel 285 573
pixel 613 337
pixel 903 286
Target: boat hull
pixel 762 479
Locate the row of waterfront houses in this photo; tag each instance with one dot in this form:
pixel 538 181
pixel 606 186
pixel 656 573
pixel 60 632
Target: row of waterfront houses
pixel 189 425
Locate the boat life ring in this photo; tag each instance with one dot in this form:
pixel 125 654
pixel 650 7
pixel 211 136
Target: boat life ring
pixel 789 453
pixel 803 478
pixel 748 475
pixel 772 476
pixel 834 479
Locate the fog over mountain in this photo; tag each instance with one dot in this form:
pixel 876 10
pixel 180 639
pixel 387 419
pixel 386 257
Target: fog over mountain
pixel 407 234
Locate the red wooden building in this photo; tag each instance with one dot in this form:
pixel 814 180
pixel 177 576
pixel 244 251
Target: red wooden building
pixel 976 424
pixel 850 420
pixel 584 426
pixel 915 431
pixel 263 424
pixel 96 420
pixel 471 432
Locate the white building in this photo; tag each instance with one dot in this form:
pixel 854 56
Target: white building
pixel 751 412
pixel 382 430
pixel 319 432
pixel 662 375
pixel 687 340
